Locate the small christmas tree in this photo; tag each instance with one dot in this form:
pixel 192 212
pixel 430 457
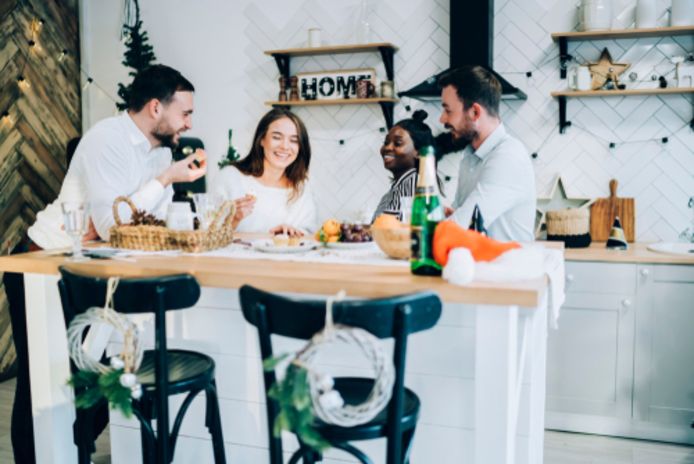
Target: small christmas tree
pixel 138 56
pixel 232 154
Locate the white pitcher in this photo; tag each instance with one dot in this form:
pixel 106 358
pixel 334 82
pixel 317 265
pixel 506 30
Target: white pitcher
pixel 682 13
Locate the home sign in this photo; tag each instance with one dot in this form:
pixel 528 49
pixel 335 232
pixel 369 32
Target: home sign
pixel 332 85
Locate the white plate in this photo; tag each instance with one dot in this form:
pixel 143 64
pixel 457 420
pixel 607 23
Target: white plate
pixel 673 248
pixel 349 245
pixel 268 246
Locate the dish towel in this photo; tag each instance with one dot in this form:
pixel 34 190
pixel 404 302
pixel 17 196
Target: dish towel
pixel 529 262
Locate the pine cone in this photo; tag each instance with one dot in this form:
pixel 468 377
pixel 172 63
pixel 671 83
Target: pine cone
pixel 143 218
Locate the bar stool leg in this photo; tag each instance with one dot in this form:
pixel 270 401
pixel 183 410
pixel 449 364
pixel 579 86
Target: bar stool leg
pixel 213 421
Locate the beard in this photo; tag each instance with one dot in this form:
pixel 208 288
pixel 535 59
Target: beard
pixel 462 136
pixel 166 136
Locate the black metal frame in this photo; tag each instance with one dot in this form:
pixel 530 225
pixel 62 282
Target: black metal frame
pixel 395 317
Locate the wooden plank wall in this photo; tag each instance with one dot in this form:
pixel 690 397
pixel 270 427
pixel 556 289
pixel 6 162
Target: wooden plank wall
pixel 43 114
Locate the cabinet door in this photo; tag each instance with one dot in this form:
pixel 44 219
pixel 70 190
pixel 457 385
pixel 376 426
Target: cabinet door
pixel 589 358
pixel 664 363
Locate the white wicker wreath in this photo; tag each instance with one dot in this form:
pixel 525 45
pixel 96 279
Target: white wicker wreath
pixel 328 404
pixel 131 355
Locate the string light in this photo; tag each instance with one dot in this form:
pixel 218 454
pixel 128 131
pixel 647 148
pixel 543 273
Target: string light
pixel 87 83
pixel 63 54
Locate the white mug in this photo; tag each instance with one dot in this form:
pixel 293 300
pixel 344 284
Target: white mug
pixel 597 14
pixel 314 37
pixel 646 14
pixel 584 80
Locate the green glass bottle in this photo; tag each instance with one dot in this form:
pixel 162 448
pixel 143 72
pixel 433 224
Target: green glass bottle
pixel 427 212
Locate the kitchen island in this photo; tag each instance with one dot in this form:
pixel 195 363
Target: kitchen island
pixel 480 373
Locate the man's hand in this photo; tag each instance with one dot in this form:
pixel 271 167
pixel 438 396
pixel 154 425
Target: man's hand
pixel 188 169
pixel 287 230
pixel 244 207
pixel 447 211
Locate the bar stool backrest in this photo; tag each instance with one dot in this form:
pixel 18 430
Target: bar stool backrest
pixel 79 292
pixel 394 317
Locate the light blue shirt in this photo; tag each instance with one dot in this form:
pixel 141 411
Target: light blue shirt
pixel 499 177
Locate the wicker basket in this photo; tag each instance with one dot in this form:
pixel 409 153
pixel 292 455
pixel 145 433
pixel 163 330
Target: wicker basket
pixel 571 226
pixel 158 238
pixel 395 242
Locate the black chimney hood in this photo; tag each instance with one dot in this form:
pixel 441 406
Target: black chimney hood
pixel 472 43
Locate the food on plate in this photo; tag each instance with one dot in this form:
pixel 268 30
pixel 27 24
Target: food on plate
pixel 286 240
pixel 334 231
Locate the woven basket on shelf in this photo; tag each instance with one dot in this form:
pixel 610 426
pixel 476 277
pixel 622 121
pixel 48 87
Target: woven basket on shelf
pixel 571 226
pixel 158 238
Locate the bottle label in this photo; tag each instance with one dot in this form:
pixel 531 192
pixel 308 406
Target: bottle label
pixel 416 237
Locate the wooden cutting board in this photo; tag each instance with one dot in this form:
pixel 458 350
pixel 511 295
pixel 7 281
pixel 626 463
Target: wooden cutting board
pixel 603 212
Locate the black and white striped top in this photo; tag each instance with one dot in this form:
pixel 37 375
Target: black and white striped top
pixel 403 187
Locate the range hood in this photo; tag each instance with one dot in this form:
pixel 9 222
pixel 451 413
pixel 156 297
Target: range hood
pixel 472 43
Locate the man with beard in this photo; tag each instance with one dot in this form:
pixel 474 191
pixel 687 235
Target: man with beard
pixel 495 171
pixel 128 155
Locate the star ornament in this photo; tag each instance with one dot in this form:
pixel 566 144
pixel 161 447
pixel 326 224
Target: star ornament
pixel 557 199
pixel 606 69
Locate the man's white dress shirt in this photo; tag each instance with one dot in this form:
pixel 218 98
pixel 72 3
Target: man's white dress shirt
pixel 113 158
pixel 499 177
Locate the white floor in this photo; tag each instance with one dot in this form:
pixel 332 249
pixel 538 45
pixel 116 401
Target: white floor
pixel 560 447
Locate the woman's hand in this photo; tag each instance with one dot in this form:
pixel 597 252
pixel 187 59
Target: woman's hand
pixel 91 234
pixel 288 230
pixel 244 208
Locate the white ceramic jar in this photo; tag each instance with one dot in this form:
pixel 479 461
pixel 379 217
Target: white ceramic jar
pixel 646 13
pixel 597 14
pixel 179 216
pixel 682 13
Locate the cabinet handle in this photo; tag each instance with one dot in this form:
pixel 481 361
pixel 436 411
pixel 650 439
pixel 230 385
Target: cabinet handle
pixel 626 302
pixel 645 272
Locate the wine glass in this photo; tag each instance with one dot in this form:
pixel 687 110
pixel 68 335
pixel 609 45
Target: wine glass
pixel 76 220
pixel 202 207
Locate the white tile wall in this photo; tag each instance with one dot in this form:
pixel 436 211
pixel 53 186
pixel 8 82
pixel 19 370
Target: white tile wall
pixel 224 58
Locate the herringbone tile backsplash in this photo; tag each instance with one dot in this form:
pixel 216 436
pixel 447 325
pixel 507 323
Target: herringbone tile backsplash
pixel 350 177
pixel 233 79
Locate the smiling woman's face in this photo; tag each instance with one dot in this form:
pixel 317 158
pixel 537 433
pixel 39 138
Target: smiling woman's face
pixel 280 144
pixel 398 151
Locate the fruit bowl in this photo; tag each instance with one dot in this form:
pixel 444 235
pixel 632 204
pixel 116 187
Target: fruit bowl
pixel 395 242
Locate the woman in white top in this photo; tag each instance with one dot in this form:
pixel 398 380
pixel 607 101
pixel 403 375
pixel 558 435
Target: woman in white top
pixel 270 185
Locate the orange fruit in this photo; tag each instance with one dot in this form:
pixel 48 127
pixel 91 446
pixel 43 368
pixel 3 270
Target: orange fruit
pixel 331 227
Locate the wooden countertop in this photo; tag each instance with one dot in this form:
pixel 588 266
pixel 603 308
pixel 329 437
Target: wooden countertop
pixel 357 280
pixel 637 253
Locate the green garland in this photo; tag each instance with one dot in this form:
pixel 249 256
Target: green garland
pixel 94 387
pixel 293 397
pixel 232 154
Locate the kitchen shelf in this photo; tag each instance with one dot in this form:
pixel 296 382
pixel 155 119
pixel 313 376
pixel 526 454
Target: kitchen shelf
pixel 387 50
pixel 385 103
pixel 562 95
pixel 564 37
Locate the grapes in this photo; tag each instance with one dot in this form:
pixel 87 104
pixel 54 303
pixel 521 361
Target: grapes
pixel 354 233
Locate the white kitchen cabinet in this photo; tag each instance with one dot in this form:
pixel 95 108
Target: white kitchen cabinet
pixel 622 361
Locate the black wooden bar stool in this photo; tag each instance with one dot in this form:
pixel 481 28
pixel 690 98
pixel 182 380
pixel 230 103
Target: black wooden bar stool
pixel 187 371
pixel 395 317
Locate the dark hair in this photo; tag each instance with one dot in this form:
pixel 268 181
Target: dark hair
pixel 157 81
pixel 474 84
pixel 297 172
pixel 419 131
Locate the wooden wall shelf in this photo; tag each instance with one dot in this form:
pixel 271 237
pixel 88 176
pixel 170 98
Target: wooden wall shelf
pixel 565 37
pixel 283 60
pixel 562 95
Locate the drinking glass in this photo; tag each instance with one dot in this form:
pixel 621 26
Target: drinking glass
pixel 76 221
pixel 206 206
pixel 406 209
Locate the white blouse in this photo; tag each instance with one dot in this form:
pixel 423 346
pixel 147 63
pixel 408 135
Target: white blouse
pixel 271 206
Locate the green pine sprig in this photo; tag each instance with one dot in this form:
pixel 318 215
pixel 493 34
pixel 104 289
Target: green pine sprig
pixel 293 397
pixel 93 387
pixel 232 155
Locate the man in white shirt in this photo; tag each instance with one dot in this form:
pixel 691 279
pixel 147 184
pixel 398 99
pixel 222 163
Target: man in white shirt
pixel 128 155
pixel 495 172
